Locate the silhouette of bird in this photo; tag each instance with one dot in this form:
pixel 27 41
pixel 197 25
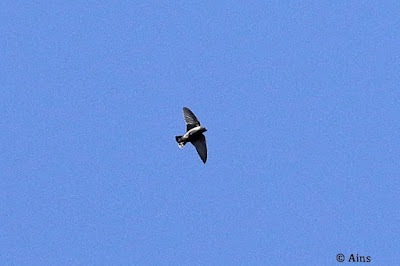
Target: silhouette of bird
pixel 194 134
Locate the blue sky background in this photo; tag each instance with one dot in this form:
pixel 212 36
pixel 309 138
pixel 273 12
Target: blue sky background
pixel 301 100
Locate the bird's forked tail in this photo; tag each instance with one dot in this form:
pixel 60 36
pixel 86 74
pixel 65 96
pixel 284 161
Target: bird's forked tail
pixel 181 142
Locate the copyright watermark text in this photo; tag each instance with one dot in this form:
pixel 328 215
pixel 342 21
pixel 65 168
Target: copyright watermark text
pixel 352 258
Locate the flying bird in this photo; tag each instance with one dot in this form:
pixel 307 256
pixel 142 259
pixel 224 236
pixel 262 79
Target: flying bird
pixel 194 134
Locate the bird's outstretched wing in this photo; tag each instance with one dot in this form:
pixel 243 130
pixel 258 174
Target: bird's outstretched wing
pixel 201 147
pixel 190 118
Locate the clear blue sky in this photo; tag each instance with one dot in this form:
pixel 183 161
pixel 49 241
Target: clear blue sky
pixel 301 101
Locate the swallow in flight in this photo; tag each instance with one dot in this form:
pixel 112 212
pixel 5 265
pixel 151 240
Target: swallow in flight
pixel 194 134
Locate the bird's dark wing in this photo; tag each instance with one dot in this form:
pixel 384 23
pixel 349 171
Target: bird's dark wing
pixel 201 147
pixel 190 118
